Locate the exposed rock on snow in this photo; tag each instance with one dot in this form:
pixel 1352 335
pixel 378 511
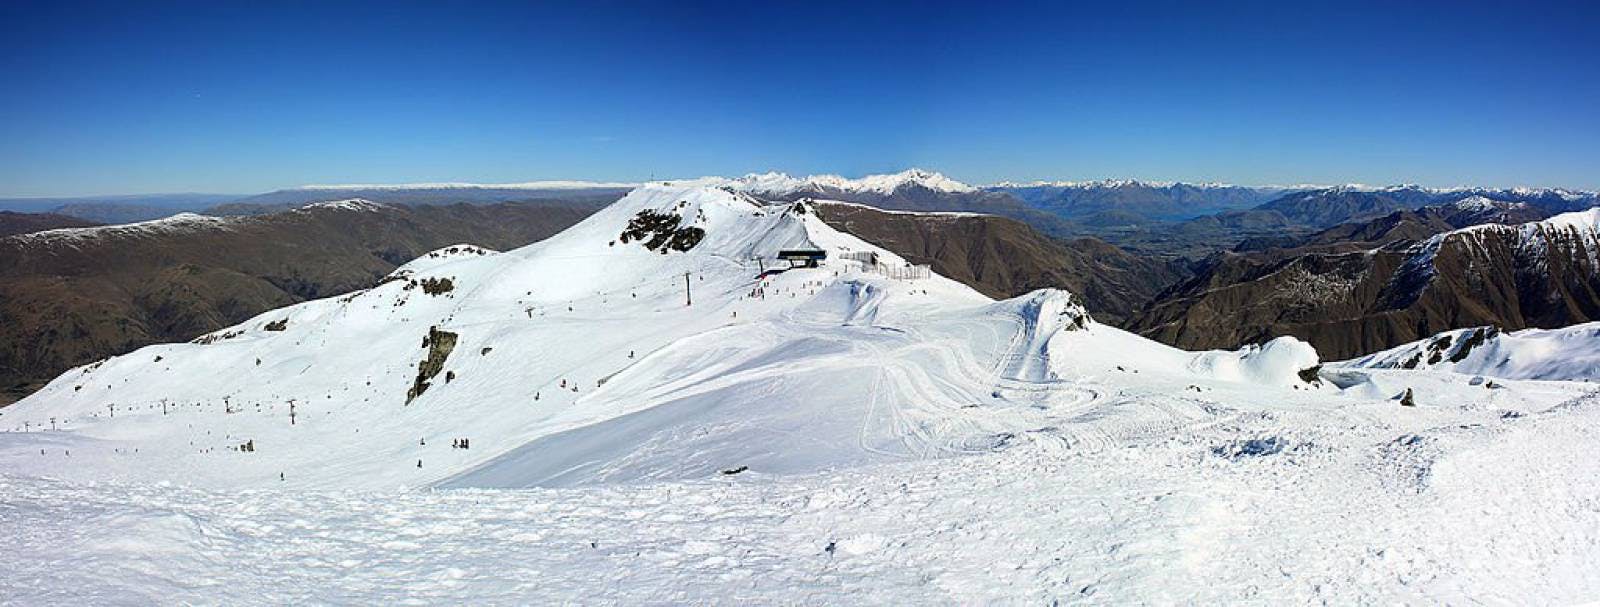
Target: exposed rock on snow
pixel 439 345
pixel 661 231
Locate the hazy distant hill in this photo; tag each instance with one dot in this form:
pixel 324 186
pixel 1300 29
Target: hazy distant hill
pixel 592 193
pixel 1129 198
pixel 23 223
pixel 116 209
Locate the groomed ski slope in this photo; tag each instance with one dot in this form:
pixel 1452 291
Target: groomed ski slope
pixel 890 441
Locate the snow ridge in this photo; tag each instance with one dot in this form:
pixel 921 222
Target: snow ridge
pixel 182 222
pixel 348 204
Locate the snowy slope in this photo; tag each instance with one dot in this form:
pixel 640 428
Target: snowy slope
pixel 826 435
pixel 583 346
pixel 1569 353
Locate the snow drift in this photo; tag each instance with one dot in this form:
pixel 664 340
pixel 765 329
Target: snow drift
pixel 1280 361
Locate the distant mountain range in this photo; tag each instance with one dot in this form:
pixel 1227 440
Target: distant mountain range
pixel 1098 201
pixel 1539 274
pixel 1402 225
pixel 1332 206
pixel 116 209
pixel 595 194
pixel 1130 213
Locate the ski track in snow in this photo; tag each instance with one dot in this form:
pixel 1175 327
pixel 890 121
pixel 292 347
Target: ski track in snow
pixel 901 443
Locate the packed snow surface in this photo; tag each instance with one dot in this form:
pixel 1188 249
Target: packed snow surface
pixel 654 413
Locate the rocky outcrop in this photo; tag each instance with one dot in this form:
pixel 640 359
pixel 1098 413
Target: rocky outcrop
pixel 439 345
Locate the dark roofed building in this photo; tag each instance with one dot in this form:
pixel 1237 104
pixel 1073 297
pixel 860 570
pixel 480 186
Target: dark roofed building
pixel 803 258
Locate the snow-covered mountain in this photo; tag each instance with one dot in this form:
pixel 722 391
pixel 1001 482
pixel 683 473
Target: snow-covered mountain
pixel 1325 207
pixel 1564 249
pixel 1569 353
pixel 1536 274
pixel 653 407
pixel 537 353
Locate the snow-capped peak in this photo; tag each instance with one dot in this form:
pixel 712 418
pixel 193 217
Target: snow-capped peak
pixel 348 204
pixel 1479 202
pixel 927 179
pixel 781 183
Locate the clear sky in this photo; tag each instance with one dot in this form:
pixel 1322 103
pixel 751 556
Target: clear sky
pixel 124 97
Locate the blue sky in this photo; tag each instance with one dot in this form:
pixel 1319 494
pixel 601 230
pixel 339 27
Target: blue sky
pixel 218 97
